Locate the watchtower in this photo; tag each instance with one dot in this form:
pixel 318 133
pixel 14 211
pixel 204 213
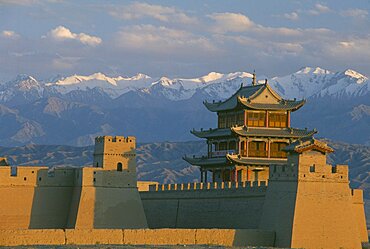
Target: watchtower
pixel 115 153
pixel 309 203
pixel 106 195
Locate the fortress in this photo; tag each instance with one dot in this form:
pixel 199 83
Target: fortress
pixel 270 186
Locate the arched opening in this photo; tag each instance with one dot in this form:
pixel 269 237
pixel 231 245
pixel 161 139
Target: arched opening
pixel 119 166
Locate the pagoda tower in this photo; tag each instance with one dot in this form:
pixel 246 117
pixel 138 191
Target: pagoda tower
pixel 253 128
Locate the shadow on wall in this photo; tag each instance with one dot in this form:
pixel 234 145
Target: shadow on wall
pixel 118 203
pixel 54 193
pixel 253 237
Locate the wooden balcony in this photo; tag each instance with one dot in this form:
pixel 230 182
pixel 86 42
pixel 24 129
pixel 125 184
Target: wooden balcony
pixel 221 153
pixel 278 154
pixel 257 153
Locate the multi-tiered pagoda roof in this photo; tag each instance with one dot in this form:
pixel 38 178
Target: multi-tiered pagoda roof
pixel 244 99
pixel 253 128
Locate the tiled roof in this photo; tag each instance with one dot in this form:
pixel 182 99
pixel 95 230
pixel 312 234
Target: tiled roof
pixel 255 161
pixel 272 132
pixel 212 133
pixel 244 98
pixel 286 105
pixel 308 143
pixel 232 102
pixel 205 161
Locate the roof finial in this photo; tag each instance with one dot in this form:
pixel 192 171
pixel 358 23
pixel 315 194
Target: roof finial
pixel 265 81
pixel 254 78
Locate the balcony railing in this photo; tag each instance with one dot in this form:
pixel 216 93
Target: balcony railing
pixel 221 153
pixel 278 154
pixel 254 153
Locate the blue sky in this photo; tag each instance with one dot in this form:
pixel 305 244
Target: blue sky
pixel 190 38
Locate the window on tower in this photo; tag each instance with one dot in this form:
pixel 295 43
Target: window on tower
pixel 278 119
pixel 257 149
pixel 229 119
pixel 256 119
pixel 276 150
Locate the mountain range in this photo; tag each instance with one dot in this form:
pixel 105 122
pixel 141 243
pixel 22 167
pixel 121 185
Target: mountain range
pixel 73 110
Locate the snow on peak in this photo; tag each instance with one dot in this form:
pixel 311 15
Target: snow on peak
pixel 140 76
pixel 76 79
pixel 356 75
pixel 212 76
pixel 311 70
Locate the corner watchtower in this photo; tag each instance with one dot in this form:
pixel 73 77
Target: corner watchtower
pixel 307 198
pixel 115 153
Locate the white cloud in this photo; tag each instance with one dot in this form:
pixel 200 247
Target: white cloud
pixel 27 2
pixel 319 9
pixel 149 38
pixel 230 22
pixel 61 33
pixel 291 16
pixel 352 46
pixel 161 13
pixel 18 2
pixel 355 13
pixel 9 34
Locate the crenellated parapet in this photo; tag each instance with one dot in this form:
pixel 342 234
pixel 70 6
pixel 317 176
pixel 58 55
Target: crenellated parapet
pixel 195 186
pixel 115 139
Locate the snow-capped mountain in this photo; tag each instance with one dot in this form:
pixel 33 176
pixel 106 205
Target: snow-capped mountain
pixel 181 89
pixel 304 83
pixel 22 88
pixel 74 109
pixel 309 82
pixel 113 86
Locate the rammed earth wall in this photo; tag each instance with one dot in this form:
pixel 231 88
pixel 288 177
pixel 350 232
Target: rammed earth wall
pixel 222 237
pixel 205 208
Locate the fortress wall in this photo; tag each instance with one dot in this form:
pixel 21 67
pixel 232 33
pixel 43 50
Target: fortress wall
pixel 278 210
pixel 359 210
pixel 118 208
pixel 50 207
pixel 222 237
pixel 35 197
pixel 25 207
pixel 16 205
pixel 204 208
pixel 325 211
pixel 106 199
pixel 32 237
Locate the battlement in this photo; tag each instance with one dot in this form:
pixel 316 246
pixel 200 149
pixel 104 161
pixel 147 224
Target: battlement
pixel 207 186
pixel 37 176
pixel 309 172
pixel 115 139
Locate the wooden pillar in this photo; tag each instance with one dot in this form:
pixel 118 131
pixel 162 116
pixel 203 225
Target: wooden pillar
pixel 288 118
pixel 201 175
pixel 245 118
pixel 247 142
pixel 240 147
pixel 244 147
pixel 268 148
pixel 267 119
